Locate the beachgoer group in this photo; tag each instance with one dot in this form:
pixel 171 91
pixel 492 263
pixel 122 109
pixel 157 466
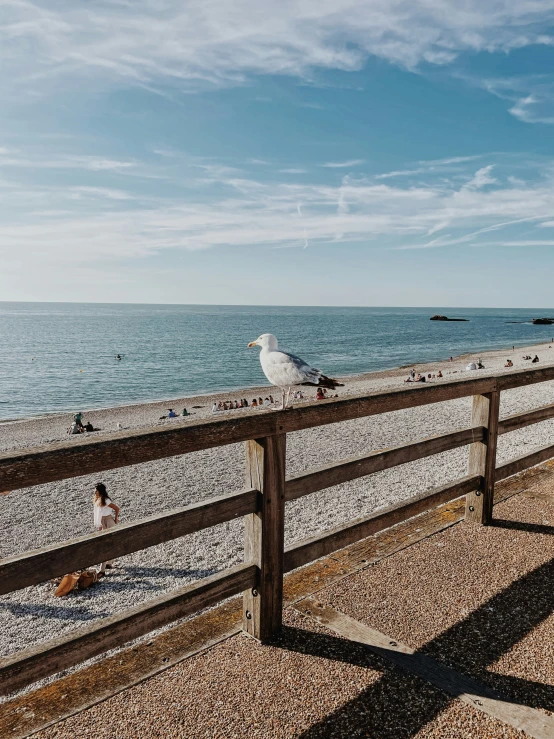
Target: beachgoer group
pixel 80 427
pixel 418 377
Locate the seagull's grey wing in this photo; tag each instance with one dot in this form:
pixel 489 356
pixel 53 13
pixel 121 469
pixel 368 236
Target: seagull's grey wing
pixel 309 374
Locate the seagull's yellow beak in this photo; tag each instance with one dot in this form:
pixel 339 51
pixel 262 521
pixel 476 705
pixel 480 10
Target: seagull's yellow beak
pixel 252 343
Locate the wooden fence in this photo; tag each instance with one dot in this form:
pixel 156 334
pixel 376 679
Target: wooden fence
pixel 260 577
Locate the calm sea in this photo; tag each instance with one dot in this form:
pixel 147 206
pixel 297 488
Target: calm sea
pixel 61 356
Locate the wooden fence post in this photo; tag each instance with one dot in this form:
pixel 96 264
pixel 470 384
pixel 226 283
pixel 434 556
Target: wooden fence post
pixel 265 536
pixel 482 457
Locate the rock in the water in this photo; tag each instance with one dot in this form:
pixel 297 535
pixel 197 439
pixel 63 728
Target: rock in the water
pixel 543 321
pixel 438 317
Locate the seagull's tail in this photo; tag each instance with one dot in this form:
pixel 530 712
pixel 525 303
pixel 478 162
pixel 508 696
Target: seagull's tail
pixel 325 381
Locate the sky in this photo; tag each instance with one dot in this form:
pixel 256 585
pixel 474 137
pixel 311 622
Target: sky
pixel 315 152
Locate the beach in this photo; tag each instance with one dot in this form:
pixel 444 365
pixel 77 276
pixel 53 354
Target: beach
pixel 53 512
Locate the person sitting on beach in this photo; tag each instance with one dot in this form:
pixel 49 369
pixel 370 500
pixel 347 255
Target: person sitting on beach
pixel 509 363
pixel 254 403
pixel 171 413
pixel 535 359
pixel 266 402
pixel 185 412
pixel 89 426
pixel 215 408
pixel 319 395
pixel 260 401
pixel 271 399
pixel 439 374
pixel 103 515
pixel 245 403
pixel 75 428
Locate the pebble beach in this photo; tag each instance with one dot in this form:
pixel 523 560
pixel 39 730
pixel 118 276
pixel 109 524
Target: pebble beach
pixel 53 512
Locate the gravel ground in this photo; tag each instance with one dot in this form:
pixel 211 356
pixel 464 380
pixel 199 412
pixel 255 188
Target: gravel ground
pixel 310 684
pixel 492 595
pixel 480 599
pixel 38 516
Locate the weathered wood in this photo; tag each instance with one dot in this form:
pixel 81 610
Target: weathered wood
pixel 81 456
pixel 337 473
pixel 482 457
pixel 314 547
pixel 265 536
pixel 30 568
pixel 47 659
pixel 520 420
pixel 522 463
pixel 533 722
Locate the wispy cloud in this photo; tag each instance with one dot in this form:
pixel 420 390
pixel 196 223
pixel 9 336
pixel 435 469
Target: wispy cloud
pixel 344 165
pixel 293 170
pixel 222 43
pixel 84 224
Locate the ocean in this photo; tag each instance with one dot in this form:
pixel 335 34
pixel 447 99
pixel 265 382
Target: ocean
pixel 61 356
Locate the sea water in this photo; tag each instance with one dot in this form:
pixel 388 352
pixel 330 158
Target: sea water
pixel 61 356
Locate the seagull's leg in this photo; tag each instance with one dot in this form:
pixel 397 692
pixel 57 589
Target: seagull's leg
pixel 288 398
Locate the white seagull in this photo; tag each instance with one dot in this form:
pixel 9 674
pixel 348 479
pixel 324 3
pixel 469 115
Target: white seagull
pixel 285 370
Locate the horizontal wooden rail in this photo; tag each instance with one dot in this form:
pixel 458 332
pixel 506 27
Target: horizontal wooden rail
pixel 328 541
pixel 46 659
pixel 30 568
pixel 81 456
pixel 350 469
pixel 524 462
pixel 520 420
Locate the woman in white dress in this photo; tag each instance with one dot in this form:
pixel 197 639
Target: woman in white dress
pixel 103 514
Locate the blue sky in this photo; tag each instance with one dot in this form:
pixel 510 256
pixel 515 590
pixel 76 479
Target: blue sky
pixel 319 153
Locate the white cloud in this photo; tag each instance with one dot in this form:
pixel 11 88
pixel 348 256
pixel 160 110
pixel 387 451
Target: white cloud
pixel 170 43
pixel 344 165
pixel 481 178
pixel 87 225
pixel 292 170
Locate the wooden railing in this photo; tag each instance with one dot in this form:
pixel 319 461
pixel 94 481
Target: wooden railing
pixel 260 577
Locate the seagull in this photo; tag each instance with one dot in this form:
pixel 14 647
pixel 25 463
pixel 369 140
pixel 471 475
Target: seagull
pixel 285 370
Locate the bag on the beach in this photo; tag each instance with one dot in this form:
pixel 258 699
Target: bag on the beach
pixel 68 582
pixel 87 578
pixel 80 580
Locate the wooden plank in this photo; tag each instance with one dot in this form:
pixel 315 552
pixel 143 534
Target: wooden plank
pixel 522 463
pixel 319 545
pixel 482 457
pixel 335 474
pixel 521 378
pixel 81 456
pixel 47 659
pixel 30 568
pixel 533 722
pixel 520 420
pixel 264 537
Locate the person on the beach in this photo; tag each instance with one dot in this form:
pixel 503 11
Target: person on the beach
pixel 535 359
pixel 260 401
pixel 319 394
pixel 245 403
pixel 254 403
pixel 439 374
pixel 185 412
pixel 75 428
pixel 171 413
pixel 103 515
pixel 214 408
pixel 78 418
